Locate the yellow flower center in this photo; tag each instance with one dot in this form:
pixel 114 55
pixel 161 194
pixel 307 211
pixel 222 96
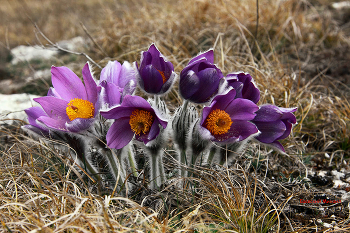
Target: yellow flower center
pixel 79 108
pixel 140 121
pixel 163 76
pixel 218 122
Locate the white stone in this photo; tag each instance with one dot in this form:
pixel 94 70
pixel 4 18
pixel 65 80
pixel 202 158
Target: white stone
pixel 13 106
pixel 24 53
pixel 341 5
pixel 73 44
pixel 337 175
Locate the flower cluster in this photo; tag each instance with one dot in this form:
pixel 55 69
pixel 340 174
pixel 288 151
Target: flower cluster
pixel 90 112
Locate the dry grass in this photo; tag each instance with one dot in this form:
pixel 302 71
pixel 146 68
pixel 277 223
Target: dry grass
pixel 42 193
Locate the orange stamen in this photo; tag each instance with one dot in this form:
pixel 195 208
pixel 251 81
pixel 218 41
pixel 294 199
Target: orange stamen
pixel 218 122
pixel 140 121
pixel 79 108
pixel 163 76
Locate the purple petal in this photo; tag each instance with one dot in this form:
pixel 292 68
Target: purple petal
pixel 146 59
pixel 54 108
pixel 152 79
pixel 241 109
pixel 152 134
pixel 166 86
pixel 287 131
pixel 239 131
pixel 67 84
pixel 111 72
pixel 117 112
pixel 129 88
pixel 189 84
pixel 222 101
pixel 268 113
pixel 127 74
pixel 52 92
pixel 208 85
pixel 119 134
pixel 79 124
pixel 277 145
pixel 157 58
pixel 112 94
pixel 53 123
pixel 33 113
pixel 270 131
pixel 90 84
pixel 129 104
pixel 251 92
pixel 208 55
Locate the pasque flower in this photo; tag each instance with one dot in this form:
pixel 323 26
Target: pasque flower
pixel 134 116
pixel 69 105
pixel 200 79
pixel 274 123
pixel 227 119
pixel 117 81
pixel 244 85
pixel 155 74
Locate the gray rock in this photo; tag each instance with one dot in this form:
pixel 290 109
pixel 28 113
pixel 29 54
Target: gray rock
pixel 341 5
pixel 13 106
pixel 24 53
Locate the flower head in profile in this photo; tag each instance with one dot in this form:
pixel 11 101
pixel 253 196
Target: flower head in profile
pixel 274 123
pixel 200 79
pixel 117 81
pixel 70 105
pixel 155 74
pixel 227 119
pixel 244 85
pixel 134 116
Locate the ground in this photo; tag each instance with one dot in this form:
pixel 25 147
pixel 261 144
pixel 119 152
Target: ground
pixel 298 54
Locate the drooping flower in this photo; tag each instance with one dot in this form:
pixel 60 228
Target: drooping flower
pixel 117 81
pixel 244 85
pixel 227 119
pixel 274 123
pixel 200 79
pixel 69 105
pixel 155 74
pixel 134 116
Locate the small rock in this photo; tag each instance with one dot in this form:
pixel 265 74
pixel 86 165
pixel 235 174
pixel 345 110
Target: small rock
pixel 341 5
pixel 13 106
pixel 73 44
pixel 24 53
pixel 337 175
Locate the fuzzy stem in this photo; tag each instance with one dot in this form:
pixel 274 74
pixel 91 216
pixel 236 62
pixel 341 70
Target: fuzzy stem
pixel 157 99
pixel 184 105
pixel 183 160
pixel 132 161
pixel 211 155
pixel 154 176
pixel 91 170
pixel 116 170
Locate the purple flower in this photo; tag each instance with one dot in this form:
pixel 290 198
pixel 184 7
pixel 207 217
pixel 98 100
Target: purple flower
pixel 155 74
pixel 200 79
pixel 134 116
pixel 69 105
pixel 226 120
pixel 117 81
pixel 244 85
pixel 274 123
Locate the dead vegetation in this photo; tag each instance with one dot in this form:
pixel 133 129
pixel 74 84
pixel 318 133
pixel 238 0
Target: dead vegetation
pixel 297 54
